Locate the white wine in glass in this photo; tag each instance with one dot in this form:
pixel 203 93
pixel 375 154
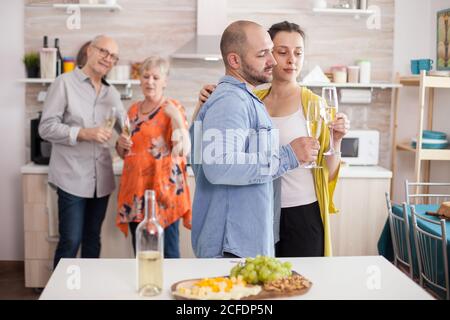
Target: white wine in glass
pixel 313 125
pixel 330 104
pixel 110 121
pixel 330 114
pixel 126 129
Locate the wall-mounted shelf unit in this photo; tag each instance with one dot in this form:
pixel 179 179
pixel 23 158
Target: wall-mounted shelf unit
pixel 126 95
pixel 426 154
pixel 425 83
pixel 378 85
pixel 264 11
pixel 48 81
pixel 35 80
pixel 345 12
pixel 104 7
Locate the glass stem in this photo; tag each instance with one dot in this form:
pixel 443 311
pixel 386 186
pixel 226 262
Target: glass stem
pixel 331 140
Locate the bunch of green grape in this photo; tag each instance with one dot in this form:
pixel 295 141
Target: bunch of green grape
pixel 261 269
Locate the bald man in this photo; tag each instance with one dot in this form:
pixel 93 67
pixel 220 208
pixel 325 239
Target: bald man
pixel 236 154
pixel 73 120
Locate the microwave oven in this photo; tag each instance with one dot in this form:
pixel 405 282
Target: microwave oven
pixel 360 147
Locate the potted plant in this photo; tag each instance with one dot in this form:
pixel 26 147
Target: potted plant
pixel 31 61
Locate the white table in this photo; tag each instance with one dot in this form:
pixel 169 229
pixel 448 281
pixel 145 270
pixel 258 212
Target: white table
pixel 371 277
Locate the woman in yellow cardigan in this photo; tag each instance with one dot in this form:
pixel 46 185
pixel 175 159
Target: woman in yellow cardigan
pixel 303 197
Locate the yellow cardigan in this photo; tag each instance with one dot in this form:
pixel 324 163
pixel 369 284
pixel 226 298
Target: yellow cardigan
pixel 324 188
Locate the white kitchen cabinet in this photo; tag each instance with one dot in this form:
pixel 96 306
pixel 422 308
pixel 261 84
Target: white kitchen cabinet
pixel 355 230
pixel 40 224
pixel 38 248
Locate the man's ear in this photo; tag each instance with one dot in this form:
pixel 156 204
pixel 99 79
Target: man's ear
pixel 234 60
pixel 89 50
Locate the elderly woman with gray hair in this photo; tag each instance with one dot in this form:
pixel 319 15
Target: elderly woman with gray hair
pixel 154 152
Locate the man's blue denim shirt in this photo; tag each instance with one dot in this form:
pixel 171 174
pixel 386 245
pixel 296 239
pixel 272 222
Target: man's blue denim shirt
pixel 235 157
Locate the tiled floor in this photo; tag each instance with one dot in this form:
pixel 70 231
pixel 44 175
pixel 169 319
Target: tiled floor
pixel 12 282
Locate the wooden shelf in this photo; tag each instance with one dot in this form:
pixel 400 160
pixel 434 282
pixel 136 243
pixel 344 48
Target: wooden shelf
pixel 47 81
pixel 426 154
pixel 410 81
pixel 332 11
pixel 349 12
pixel 264 11
pixel 132 82
pixel 405 147
pixel 435 154
pixel 436 82
pixel 35 80
pixel 429 81
pixel 381 85
pixel 105 7
pixel 423 157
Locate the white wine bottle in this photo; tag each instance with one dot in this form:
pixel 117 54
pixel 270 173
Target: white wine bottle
pixel 149 250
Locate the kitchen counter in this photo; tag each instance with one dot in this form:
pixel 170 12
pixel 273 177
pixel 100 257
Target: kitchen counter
pixel 346 171
pixel 367 277
pixel 32 168
pixel 364 172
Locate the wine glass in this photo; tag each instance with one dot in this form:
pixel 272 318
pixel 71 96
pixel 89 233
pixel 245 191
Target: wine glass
pixel 126 129
pixel 330 105
pixel 110 121
pixel 313 124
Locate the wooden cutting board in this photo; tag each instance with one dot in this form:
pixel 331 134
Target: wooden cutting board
pixel 263 294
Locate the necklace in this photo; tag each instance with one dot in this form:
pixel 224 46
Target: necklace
pixel 145 113
pixel 151 110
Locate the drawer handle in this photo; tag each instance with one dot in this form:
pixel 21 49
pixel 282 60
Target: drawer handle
pixel 51 213
pixel 53 239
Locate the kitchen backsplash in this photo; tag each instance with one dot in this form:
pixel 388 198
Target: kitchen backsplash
pixel 146 27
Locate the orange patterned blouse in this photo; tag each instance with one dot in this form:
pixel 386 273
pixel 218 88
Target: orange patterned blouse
pixel 150 165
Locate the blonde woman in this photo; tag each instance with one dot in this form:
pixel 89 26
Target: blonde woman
pixel 155 158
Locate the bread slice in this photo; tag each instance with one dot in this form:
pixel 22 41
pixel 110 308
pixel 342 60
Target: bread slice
pixel 444 209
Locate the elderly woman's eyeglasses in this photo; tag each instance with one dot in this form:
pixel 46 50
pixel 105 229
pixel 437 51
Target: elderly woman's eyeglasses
pixel 105 54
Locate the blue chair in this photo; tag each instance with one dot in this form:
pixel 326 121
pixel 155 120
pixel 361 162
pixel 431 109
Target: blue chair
pixel 426 197
pixel 433 267
pixel 399 226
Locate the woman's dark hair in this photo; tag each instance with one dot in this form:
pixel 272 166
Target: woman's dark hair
pixel 82 55
pixel 285 26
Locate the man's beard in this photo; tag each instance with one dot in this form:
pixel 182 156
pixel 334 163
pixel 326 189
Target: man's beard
pixel 254 77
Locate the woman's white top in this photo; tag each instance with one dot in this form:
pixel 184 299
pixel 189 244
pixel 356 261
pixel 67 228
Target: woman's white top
pixel 297 186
